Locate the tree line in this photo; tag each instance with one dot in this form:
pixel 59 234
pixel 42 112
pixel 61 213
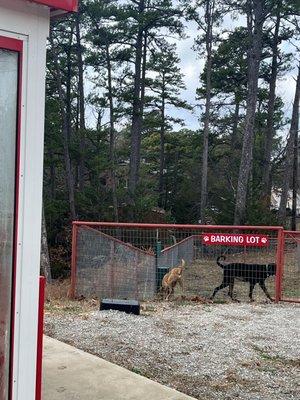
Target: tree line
pixel 114 149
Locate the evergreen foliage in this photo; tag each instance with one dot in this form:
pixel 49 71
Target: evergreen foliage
pixel 116 148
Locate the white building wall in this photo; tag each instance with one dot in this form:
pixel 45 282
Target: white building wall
pixel 30 23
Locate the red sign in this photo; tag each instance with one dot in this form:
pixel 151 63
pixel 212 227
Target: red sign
pixel 230 239
pixel 67 5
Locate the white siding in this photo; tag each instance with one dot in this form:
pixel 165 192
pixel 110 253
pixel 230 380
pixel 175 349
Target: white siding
pixel 30 23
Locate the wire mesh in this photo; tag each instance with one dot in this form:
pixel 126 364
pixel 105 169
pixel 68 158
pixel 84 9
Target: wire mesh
pixel 108 267
pixel 291 268
pixel 128 261
pixel 171 257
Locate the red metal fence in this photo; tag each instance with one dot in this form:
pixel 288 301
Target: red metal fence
pixel 123 260
pixel 290 282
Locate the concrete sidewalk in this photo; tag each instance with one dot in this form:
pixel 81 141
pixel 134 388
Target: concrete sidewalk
pixel 72 374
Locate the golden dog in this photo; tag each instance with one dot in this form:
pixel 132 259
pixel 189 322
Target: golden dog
pixel 171 279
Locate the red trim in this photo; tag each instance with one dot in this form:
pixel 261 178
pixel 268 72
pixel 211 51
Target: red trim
pixel 39 355
pixel 66 5
pixel 11 44
pixel 174 226
pixel 17 46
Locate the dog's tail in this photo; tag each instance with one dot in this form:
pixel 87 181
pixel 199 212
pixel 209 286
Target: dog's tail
pixel 218 261
pixel 183 263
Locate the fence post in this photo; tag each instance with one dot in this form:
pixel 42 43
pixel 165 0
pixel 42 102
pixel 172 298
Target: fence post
pixel 73 261
pixel 279 264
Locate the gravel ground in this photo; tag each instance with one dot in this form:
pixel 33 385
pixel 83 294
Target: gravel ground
pixel 211 351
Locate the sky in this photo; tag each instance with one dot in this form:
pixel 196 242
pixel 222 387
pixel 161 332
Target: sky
pixel 192 66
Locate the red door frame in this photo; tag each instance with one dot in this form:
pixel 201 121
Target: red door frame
pixel 15 45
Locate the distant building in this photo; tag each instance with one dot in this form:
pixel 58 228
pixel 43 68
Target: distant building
pixel 276 197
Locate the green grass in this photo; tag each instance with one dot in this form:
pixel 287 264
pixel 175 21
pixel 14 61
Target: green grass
pixel 136 371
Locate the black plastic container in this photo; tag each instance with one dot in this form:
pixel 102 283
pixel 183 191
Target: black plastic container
pixel 127 306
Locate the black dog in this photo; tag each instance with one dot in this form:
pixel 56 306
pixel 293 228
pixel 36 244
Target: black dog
pixel 252 273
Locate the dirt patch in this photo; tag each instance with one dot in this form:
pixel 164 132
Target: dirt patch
pixel 209 351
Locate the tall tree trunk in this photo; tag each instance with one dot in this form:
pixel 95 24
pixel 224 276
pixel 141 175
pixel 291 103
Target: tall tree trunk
pixel 162 148
pixel 52 173
pixel 295 181
pixel 208 43
pixel 81 101
pixel 68 99
pixel 136 126
pixel 144 70
pixel 235 123
pixel 67 158
pixel 289 159
pixel 112 138
pixel 175 181
pixel 255 20
pixel 266 177
pixel 45 260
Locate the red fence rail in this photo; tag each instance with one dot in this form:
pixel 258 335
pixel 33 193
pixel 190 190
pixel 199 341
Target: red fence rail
pixel 88 248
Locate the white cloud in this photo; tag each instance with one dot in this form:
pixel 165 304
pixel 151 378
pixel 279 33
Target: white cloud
pixel 192 65
pixel 286 90
pixel 190 71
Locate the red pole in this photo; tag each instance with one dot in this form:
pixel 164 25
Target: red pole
pixel 39 356
pixel 279 265
pixel 73 261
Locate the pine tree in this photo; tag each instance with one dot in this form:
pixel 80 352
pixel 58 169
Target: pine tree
pixel 207 14
pixel 166 87
pixel 256 11
pixel 144 21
